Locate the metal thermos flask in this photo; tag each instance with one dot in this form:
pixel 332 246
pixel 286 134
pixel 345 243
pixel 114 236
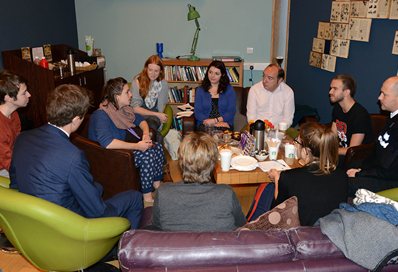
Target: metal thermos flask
pixel 71 62
pixel 258 131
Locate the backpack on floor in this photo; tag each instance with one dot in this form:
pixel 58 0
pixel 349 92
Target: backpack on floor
pixel 262 201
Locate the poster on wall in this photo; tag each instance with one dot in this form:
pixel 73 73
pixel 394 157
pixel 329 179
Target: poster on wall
pixel 394 9
pixel 339 31
pixel 378 9
pixel 340 48
pixel 395 44
pixel 340 12
pixel 359 9
pixel 324 31
pixel 318 45
pixel 359 29
pixel 315 59
pixel 328 63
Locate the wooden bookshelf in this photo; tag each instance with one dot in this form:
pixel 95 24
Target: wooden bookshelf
pixel 185 72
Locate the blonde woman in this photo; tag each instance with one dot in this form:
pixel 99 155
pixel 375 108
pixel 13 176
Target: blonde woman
pixel 150 93
pixel 196 203
pixel 318 185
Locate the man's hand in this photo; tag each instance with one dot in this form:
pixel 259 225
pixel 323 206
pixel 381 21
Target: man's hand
pixel 351 172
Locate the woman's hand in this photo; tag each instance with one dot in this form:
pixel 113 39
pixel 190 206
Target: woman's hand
pixel 209 122
pixel 352 172
pixel 222 124
pixel 162 117
pixel 144 145
pixel 146 137
pixel 274 176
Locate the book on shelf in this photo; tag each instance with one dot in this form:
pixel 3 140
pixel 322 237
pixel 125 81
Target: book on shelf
pixel 228 58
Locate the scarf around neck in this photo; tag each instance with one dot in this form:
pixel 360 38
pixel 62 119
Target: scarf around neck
pixel 153 94
pixel 122 118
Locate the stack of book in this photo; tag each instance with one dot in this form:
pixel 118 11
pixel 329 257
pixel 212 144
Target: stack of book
pixel 227 58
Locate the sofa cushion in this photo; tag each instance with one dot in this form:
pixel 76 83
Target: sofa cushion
pixel 283 216
pixel 311 243
pixel 144 248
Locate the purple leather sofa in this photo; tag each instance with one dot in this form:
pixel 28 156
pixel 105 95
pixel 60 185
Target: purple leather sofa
pixel 299 249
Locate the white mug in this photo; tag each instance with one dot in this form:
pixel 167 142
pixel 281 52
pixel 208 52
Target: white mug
pixel 226 155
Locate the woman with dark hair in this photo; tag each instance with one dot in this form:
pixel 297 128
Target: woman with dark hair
pixel 319 186
pixel 196 203
pixel 150 93
pixel 215 99
pixel 111 126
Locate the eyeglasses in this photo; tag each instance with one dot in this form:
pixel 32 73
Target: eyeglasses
pixel 296 141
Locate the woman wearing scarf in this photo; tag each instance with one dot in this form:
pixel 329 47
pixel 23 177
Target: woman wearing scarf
pixel 111 126
pixel 150 93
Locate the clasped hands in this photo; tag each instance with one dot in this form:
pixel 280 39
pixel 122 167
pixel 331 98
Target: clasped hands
pixel 213 122
pixel 145 143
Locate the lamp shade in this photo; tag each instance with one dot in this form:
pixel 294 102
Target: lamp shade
pixel 192 13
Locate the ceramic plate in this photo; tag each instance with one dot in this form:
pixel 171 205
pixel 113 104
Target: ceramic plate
pixel 244 163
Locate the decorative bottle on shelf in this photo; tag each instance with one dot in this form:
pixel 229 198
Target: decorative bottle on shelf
pixel 71 62
pixel 44 63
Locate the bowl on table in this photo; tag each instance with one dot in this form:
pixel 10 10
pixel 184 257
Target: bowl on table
pixel 261 155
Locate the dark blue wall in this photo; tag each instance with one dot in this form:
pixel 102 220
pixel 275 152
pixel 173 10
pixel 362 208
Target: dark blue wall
pixel 370 63
pixel 36 22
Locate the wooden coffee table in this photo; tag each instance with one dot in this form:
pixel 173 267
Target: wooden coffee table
pixel 244 183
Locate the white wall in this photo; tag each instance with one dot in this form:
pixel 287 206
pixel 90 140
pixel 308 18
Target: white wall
pixel 127 30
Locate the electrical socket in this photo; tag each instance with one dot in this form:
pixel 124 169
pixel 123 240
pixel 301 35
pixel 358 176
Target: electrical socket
pixel 249 50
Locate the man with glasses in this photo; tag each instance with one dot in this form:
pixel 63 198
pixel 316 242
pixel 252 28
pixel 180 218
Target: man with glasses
pixel 351 121
pixel 272 98
pixel 13 95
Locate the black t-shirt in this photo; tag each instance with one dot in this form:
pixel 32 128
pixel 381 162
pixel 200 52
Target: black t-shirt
pixel 356 120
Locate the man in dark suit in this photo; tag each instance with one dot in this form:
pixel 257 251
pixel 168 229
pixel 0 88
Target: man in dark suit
pixel 379 172
pixel 47 165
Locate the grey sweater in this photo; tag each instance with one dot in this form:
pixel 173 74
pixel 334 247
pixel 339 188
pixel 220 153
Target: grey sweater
pixel 197 207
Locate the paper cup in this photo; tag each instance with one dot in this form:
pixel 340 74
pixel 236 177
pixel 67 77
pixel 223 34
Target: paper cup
pixel 273 152
pixel 290 153
pixel 226 155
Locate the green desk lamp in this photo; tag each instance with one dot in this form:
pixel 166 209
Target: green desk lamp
pixel 194 15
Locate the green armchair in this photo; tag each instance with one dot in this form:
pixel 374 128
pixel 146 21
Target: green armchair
pixel 4 182
pixel 53 238
pixel 390 193
pixel 166 126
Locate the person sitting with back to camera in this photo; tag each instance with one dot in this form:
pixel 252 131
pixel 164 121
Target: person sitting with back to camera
pixel 47 165
pixel 215 99
pixel 150 94
pixel 111 126
pixel 196 203
pixel 319 186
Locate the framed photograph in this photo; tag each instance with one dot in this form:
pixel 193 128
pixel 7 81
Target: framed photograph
pixel 25 51
pixel 47 52
pixel 37 52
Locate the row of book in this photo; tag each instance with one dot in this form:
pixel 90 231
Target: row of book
pixel 184 73
pixel 182 95
pixel 195 73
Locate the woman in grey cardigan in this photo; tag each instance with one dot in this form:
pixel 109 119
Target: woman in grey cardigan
pixel 150 93
pixel 196 203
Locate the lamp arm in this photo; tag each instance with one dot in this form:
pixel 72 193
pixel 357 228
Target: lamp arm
pixel 195 38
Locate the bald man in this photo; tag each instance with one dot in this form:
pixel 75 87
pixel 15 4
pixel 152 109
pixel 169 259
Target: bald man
pixel 380 171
